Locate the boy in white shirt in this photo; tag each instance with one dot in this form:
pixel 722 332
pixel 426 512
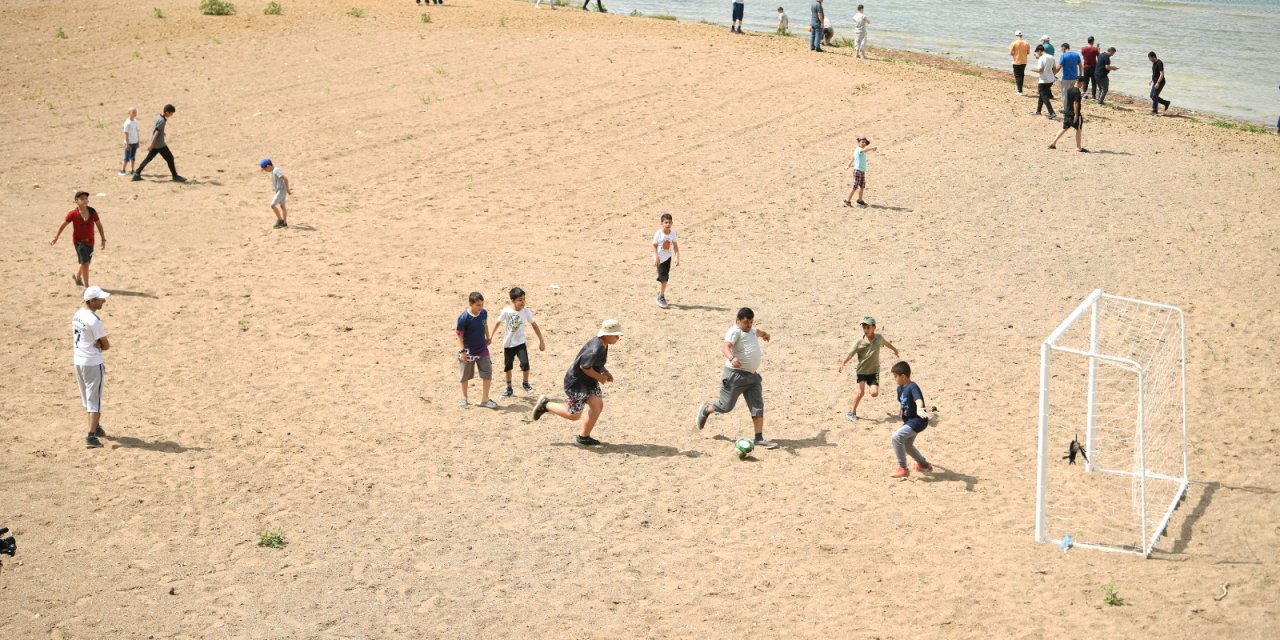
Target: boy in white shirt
pixel 88 341
pixel 741 350
pixel 514 318
pixel 784 23
pixel 664 247
pixel 130 142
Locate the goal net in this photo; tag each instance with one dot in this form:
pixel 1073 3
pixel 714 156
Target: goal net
pixel 1113 376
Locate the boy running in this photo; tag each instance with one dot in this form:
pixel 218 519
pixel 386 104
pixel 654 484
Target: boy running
pixel 582 383
pixel 915 419
pixel 85 219
pixel 868 351
pixel 741 351
pixel 515 317
pixel 280 185
pixel 664 247
pixel 859 165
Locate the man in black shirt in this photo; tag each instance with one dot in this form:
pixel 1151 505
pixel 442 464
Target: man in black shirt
pixel 582 383
pixel 1157 84
pixel 1102 74
pixel 1072 114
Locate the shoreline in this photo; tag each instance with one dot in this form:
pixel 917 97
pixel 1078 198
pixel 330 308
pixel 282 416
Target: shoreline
pixel 947 63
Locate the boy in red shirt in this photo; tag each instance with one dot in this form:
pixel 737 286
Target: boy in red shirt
pixel 85 218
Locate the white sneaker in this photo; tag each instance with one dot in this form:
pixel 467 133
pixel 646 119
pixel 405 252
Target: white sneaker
pixel 766 444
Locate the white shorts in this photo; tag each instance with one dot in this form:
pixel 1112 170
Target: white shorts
pixel 278 201
pixel 89 379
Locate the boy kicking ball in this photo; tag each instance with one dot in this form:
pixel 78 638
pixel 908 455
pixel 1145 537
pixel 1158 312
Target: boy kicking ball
pixel 741 351
pixel 582 383
pixel 915 419
pixel 868 351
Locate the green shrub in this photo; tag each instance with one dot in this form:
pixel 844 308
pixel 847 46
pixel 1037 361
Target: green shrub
pixel 273 9
pixel 60 33
pixel 355 12
pixel 272 539
pixel 217 8
pixel 426 18
pixel 158 14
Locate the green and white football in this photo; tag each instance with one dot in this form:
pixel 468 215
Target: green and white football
pixel 744 447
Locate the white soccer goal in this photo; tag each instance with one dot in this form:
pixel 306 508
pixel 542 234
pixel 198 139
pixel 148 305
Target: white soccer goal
pixel 1113 374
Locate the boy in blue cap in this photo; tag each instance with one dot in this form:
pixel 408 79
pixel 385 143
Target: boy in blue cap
pixel 280 185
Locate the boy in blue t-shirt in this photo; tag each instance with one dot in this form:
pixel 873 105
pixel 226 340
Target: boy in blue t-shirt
pixel 859 165
pixel 473 349
pixel 915 418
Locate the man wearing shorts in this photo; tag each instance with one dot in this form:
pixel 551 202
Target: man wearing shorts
pixel 736 25
pixel 88 341
pixel 867 349
pixel 582 383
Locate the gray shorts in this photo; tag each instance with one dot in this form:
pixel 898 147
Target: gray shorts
pixel 89 379
pixel 740 383
pixel 278 200
pixel 467 370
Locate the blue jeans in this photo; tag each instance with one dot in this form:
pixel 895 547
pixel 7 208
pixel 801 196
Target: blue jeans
pixel 815 38
pixel 904 443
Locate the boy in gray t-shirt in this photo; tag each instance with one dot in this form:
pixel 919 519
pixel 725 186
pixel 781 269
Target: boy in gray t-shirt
pixel 741 350
pixel 280 185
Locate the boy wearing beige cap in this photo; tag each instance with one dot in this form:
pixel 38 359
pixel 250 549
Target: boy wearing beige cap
pixel 582 383
pixel 868 351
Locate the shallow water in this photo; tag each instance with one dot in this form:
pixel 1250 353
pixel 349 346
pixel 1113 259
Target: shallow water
pixel 1219 55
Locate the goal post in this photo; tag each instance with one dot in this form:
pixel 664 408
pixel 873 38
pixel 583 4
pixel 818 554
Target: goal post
pixel 1112 376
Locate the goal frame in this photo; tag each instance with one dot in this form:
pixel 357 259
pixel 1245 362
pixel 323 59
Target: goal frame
pixel 1149 535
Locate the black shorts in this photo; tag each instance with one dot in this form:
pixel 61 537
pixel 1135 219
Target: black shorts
pixel 84 252
pixel 1071 122
pixel 509 355
pixel 737 11
pixel 872 379
pixel 664 270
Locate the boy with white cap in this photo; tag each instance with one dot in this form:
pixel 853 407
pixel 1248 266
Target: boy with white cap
pixel 582 383
pixel 88 341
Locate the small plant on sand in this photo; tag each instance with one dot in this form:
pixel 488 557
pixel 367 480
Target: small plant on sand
pixel 243 324
pixel 273 9
pixel 843 42
pixel 1111 594
pixel 426 18
pixel 355 12
pixel 635 13
pixel 60 33
pixel 217 8
pixel 1250 128
pixel 157 13
pixel 272 539
pixel 663 16
pixel 502 22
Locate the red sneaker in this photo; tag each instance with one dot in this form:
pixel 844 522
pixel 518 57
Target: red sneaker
pixel 927 467
pixel 900 473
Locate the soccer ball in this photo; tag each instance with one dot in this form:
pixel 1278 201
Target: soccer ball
pixel 744 447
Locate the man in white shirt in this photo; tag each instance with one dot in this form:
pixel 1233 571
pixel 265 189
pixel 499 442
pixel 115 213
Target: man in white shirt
pixel 860 22
pixel 741 351
pixel 89 340
pixel 1047 68
pixel 130 141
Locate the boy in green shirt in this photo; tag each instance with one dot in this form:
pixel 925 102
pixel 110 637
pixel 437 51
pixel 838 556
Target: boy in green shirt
pixel 868 351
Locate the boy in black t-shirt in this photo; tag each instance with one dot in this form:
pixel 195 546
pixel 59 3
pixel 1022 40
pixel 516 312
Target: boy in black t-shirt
pixel 1072 115
pixel 582 383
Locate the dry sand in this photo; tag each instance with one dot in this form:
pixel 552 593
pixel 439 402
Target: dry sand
pixel 301 380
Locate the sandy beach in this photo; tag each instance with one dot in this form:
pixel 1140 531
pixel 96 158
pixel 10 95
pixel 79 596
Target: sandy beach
pixel 303 380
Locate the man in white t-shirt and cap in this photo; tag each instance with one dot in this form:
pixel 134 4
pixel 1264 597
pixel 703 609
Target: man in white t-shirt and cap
pixel 860 22
pixel 89 340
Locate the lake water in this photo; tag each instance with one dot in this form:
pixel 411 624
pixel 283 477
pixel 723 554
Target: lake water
pixel 1217 53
